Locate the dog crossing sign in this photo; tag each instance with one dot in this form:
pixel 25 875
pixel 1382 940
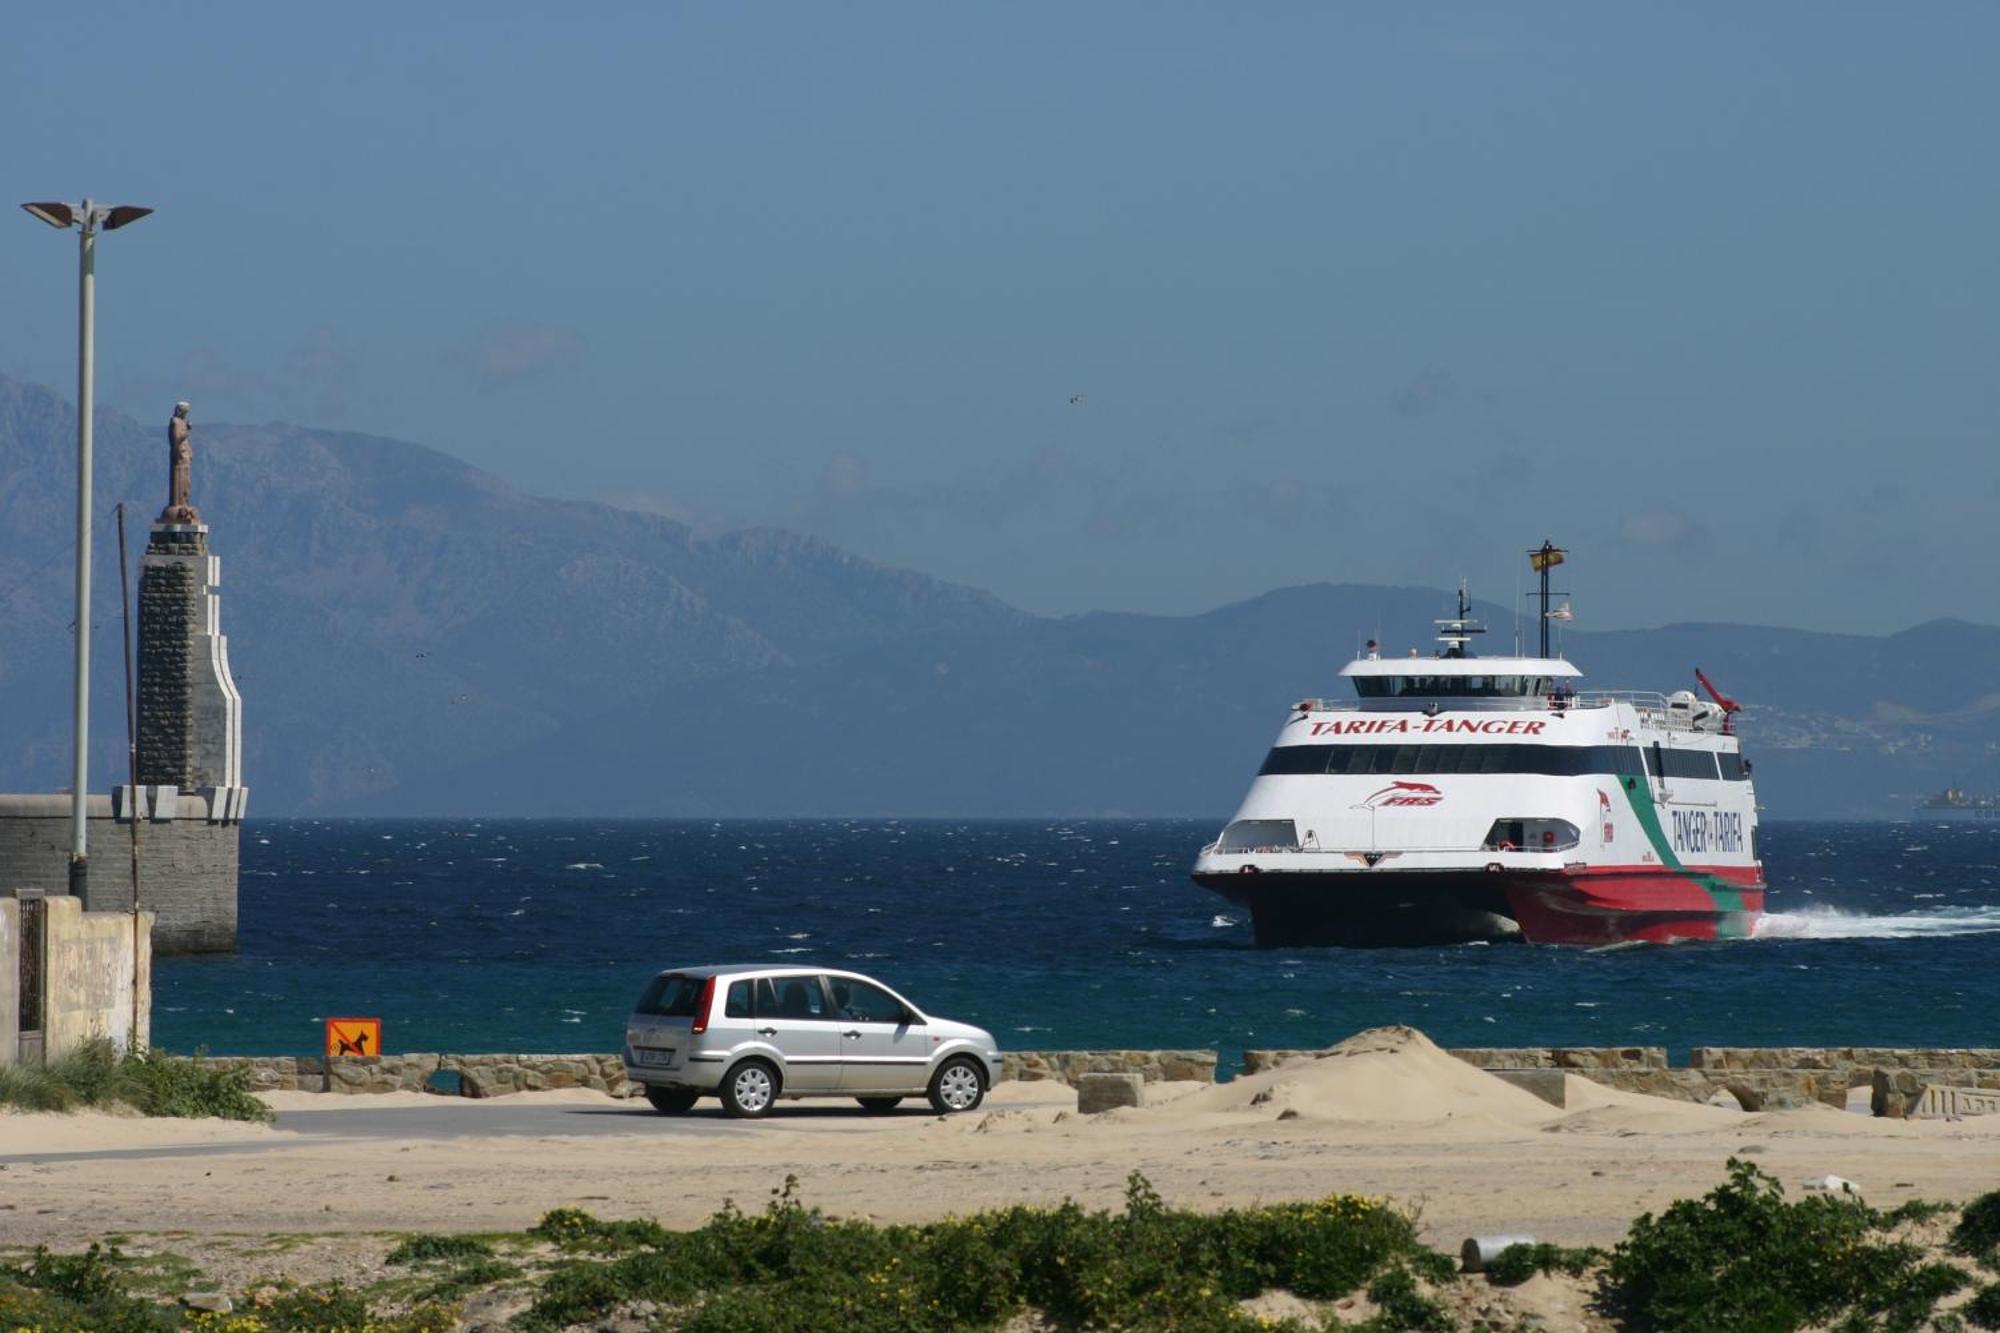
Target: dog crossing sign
pixel 352 1037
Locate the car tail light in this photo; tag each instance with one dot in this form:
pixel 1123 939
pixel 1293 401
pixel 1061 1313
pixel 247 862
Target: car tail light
pixel 701 1005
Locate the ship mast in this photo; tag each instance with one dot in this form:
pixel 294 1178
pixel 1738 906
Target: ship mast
pixel 1542 560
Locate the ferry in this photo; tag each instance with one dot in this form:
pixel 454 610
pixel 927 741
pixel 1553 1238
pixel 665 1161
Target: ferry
pixel 1458 797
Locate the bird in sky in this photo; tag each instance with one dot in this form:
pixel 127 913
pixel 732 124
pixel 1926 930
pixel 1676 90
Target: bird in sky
pixel 1075 398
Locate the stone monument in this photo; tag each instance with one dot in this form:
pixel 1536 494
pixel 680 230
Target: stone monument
pixel 190 715
pixel 191 794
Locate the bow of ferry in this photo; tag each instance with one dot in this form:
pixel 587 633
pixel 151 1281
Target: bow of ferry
pixel 1461 798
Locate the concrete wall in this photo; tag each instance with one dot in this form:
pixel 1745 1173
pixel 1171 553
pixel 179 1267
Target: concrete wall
pixel 187 869
pixel 90 959
pixel 90 977
pixel 10 980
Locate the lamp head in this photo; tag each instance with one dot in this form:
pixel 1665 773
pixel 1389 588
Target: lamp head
pixel 56 215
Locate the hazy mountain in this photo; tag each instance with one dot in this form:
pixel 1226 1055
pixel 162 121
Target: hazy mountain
pixel 412 635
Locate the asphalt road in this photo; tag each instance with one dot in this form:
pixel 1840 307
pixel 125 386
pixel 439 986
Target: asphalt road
pixel 471 1119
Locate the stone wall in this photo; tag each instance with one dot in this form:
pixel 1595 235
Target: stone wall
pixel 1756 1078
pixel 1068 1066
pixel 458 1075
pixel 187 871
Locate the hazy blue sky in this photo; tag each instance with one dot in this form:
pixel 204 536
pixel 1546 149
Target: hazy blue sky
pixel 1372 292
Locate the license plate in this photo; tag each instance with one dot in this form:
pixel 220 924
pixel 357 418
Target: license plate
pixel 655 1057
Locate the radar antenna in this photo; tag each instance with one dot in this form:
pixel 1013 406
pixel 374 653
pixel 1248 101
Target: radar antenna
pixel 1457 631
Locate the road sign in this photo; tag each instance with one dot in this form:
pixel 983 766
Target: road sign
pixel 353 1036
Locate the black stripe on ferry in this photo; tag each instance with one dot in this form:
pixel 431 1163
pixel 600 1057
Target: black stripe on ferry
pixel 1560 761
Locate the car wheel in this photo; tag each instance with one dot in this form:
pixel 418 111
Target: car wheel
pixel 877 1105
pixel 672 1101
pixel 750 1089
pixel 958 1085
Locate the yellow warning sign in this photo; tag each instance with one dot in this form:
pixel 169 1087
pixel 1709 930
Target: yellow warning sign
pixel 353 1036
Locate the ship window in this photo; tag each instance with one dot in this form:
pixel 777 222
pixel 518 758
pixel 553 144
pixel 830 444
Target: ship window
pixel 1546 760
pixel 1690 764
pixel 1434 687
pixel 1733 767
pixel 1259 835
pixel 1531 835
pixel 1296 759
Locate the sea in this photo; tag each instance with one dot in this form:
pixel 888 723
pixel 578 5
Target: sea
pixel 535 936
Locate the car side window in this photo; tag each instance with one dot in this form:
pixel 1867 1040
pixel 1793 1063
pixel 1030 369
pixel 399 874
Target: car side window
pixel 738 1003
pixel 790 997
pixel 859 1002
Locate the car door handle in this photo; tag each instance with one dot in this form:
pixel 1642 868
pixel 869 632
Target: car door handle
pixel 767 1032
pixel 851 1033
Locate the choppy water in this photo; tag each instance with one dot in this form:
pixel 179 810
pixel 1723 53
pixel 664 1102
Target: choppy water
pixel 535 936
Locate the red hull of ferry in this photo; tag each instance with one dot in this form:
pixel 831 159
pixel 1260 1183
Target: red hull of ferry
pixel 1595 907
pixel 1649 904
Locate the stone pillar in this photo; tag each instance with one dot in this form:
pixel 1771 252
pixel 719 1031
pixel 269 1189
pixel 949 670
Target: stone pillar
pixel 190 715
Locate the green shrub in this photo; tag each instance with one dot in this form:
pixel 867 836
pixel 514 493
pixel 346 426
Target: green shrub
pixel 427 1249
pixel 1517 1263
pixel 152 1082
pixel 1978 1231
pixel 1745 1259
pixel 1406 1309
pixel 1983 1310
pixel 90 1276
pixel 172 1085
pixel 462 1282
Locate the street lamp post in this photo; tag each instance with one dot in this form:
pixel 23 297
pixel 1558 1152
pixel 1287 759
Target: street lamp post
pixel 87 217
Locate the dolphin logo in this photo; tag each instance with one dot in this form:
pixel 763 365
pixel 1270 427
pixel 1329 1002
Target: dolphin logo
pixel 1403 794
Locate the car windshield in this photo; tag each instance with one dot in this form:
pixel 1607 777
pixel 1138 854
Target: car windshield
pixel 670 996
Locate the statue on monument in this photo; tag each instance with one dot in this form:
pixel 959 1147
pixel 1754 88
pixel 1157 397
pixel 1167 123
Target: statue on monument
pixel 180 470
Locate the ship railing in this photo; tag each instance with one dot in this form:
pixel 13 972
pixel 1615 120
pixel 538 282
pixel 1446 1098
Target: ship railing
pixel 1651 706
pixel 1216 847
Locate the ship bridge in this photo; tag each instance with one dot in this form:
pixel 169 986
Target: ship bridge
pixel 1460 677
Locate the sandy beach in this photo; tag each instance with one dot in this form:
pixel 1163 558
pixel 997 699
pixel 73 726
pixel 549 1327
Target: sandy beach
pixel 1384 1113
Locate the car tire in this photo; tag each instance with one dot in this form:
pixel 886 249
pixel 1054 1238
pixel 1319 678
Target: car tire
pixel 750 1089
pixel 672 1101
pixel 879 1105
pixel 959 1085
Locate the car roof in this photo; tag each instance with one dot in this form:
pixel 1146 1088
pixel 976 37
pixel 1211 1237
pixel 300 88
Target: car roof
pixel 764 969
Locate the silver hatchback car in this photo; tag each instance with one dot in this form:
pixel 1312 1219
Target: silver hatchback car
pixel 751 1035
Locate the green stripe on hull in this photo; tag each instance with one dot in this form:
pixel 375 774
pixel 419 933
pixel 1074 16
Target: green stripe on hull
pixel 1734 922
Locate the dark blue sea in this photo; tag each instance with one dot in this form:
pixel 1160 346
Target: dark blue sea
pixel 536 936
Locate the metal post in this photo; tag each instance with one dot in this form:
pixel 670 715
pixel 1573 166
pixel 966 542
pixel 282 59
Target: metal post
pixel 135 809
pixel 79 854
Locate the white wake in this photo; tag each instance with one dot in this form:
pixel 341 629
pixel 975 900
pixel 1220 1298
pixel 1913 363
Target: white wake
pixel 1828 923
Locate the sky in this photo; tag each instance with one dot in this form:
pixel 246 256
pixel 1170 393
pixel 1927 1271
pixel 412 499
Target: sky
pixel 1137 307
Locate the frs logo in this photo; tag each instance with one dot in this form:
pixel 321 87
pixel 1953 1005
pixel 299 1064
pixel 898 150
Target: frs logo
pixel 1403 793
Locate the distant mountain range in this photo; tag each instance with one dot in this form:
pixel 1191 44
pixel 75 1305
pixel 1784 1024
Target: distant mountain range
pixel 413 636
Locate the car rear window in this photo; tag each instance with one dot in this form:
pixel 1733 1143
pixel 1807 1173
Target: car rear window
pixel 670 996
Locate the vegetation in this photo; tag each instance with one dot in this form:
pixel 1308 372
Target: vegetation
pixel 791 1267
pixel 1742 1258
pixel 1977 1235
pixel 431 1249
pixel 1745 1258
pixel 152 1082
pixel 1517 1263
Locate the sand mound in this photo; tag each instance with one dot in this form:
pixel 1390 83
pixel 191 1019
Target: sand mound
pixel 1392 1074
